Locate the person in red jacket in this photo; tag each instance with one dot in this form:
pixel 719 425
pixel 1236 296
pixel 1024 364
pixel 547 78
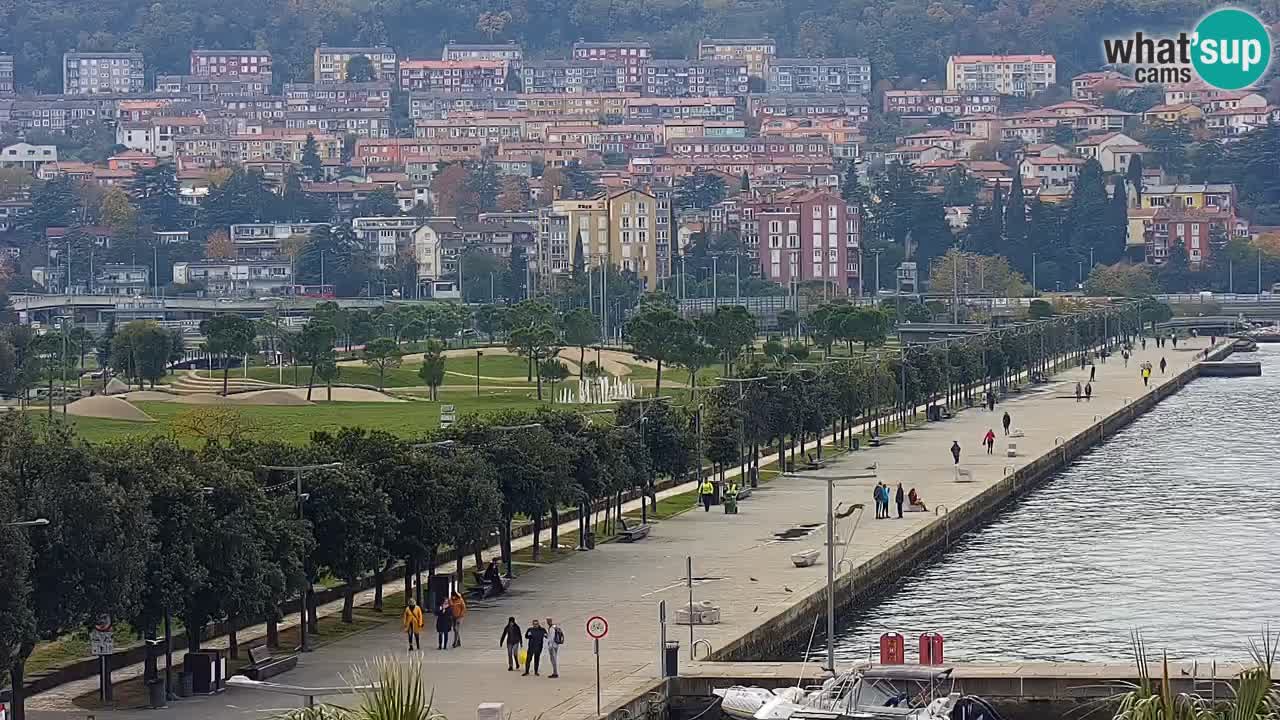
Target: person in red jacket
pixel 990 441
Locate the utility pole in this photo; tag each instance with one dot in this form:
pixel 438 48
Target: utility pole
pixel 715 295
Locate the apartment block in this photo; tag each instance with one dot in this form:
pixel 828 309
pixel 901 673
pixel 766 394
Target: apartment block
pixel 510 53
pixel 255 241
pixel 466 76
pixel 231 63
pixel 207 87
pixel 385 237
pixel 621 229
pixel 441 105
pixel 737 147
pixel 361 123
pixel 930 103
pixel 635 55
pixel 360 95
pixel 848 75
pixel 1019 75
pixel 56 114
pixel 228 278
pixel 439 243
pixel 329 64
pixel 90 73
pixel 808 105
pixel 710 108
pixel 802 235
pixel 758 53
pixel 696 78
pixel 573 76
pixel 6 75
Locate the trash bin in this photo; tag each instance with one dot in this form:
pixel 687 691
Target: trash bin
pixel 755 478
pixel 438 589
pixel 671 659
pixel 855 442
pixel 731 504
pixel 155 694
pixel 207 670
pixel 185 683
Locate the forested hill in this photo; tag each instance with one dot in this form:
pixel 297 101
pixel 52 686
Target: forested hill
pixel 903 38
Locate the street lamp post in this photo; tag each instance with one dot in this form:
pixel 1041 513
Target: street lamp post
pixel 298 470
pixel 479 354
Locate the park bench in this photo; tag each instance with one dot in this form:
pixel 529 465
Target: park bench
pixel 875 439
pixel 1039 378
pixel 263 665
pixel 812 463
pixel 633 533
pixel 485 589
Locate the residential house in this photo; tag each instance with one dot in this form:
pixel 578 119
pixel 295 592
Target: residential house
pixel 488 130
pixel 54 114
pixel 1019 75
pixel 572 76
pixel 207 87
pixel 1185 113
pixel 1117 158
pixel 366 96
pixel 619 228
pixel 841 133
pixel 1101 120
pixel 364 123
pixel 453 75
pixel 28 157
pixel 711 108
pixel 696 78
pixel 158 135
pixel 442 105
pixel 1092 148
pixel 256 241
pixel 439 243
pixel 1045 150
pixel 236 278
pixel 1096 86
pixel 1217 197
pixel 1029 132
pixel 916 154
pixel 386 237
pixel 132 160
pixel 1046 171
pixel 122 279
pixel 956 144
pixel 91 73
pixel 757 52
pixel 329 64
pixel 634 54
pixel 1236 100
pixel 841 76
pixel 931 103
pixel 984 127
pixel 1233 122
pixel 1197 231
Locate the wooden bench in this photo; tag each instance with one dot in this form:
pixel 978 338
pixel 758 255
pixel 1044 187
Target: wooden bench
pixel 875 440
pixel 633 533
pixel 485 589
pixel 263 665
pixel 812 463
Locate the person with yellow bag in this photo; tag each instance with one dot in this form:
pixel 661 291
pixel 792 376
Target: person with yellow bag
pixel 412 621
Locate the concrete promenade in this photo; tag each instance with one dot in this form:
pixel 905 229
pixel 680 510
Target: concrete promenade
pixel 739 564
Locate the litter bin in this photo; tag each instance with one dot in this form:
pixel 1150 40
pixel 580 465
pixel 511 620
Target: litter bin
pixel 438 589
pixel 155 693
pixel 185 687
pixel 755 478
pixel 207 669
pixel 671 659
pixel 855 442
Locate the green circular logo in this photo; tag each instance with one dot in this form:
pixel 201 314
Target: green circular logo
pixel 1230 49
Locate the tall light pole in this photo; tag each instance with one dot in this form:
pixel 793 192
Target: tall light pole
pixel 715 294
pixel 1035 286
pixel 831 558
pixel 479 354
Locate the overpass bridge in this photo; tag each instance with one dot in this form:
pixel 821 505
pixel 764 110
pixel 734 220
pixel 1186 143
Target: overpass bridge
pixel 90 309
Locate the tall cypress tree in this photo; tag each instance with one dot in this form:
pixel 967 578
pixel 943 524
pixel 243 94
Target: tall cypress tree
pixel 579 256
pixel 1112 249
pixel 1018 247
pixel 1134 176
pixel 1088 216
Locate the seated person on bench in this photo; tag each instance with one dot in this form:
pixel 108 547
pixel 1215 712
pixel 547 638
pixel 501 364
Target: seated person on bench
pixel 493 578
pixel 915 502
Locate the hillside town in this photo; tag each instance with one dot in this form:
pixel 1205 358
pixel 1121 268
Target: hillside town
pixel 611 155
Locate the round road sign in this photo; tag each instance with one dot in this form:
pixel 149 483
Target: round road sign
pixel 597 627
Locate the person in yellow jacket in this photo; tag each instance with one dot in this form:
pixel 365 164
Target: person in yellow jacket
pixel 459 608
pixel 412 621
pixel 708 491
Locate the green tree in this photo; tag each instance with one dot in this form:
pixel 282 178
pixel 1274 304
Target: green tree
pixel 699 190
pixel 433 364
pixel 312 166
pixel 350 516
pixel 384 354
pixel 327 371
pixel 694 356
pixel 313 347
pixel 1168 143
pixel 1134 176
pixel 960 188
pixel 655 333
pixel 553 370
pixel 581 330
pixel 730 330
pixel 229 336
pixel 360 69
pixel 142 351
pixel 379 203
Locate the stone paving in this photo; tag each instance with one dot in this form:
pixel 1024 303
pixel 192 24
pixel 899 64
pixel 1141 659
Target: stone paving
pixel 738 564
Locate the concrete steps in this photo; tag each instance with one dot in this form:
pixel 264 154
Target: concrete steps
pixel 191 383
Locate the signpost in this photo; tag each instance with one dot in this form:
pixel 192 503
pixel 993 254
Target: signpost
pixel 448 414
pixel 597 628
pixel 102 644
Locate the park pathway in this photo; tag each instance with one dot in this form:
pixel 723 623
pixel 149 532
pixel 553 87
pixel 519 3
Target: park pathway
pixel 738 562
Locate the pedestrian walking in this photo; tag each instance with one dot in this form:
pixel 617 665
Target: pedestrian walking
pixel 707 491
pixel 1144 342
pixel 881 507
pixel 991 401
pixel 1163 364
pixel 1093 372
pixel 411 620
pixel 444 624
pixel 955 452
pixel 459 607
pixel 900 497
pixel 1125 354
pixel 1078 391
pixel 1088 391
pixel 990 441
pixel 512 639
pixel 1174 338
pixel 1006 420
pixel 884 500
pixel 536 635
pixel 1146 374
pixel 553 647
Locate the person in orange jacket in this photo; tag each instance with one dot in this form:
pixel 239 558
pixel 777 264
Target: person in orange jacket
pixel 459 608
pixel 412 621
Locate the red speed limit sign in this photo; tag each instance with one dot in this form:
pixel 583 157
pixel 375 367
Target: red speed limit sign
pixel 597 627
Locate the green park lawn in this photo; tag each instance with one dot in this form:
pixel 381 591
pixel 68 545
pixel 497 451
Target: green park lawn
pixel 295 424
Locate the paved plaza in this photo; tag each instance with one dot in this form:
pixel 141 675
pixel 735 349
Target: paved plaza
pixel 740 565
